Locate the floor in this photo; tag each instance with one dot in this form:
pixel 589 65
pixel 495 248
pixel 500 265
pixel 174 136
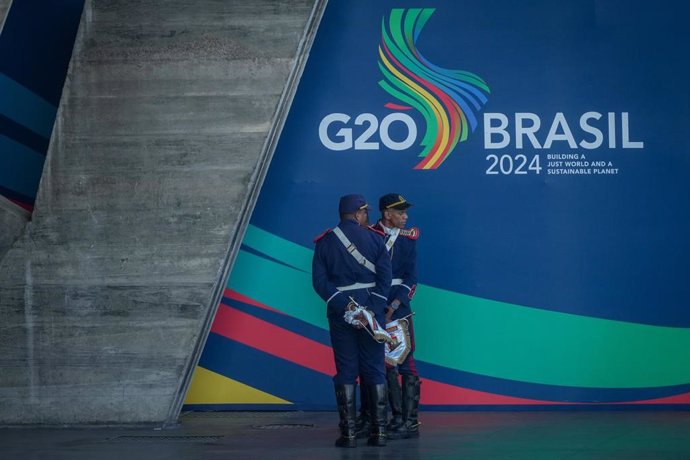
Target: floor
pixel 310 435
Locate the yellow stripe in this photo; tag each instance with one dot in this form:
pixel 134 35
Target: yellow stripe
pixel 438 108
pixel 208 387
pixel 395 204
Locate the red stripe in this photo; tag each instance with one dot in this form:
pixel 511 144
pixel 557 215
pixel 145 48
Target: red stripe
pixel 392 106
pixel 264 336
pixel 271 339
pixel 21 204
pixel 438 393
pixel 677 399
pixel 244 299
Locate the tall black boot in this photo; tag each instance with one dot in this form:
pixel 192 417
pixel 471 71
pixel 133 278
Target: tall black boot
pixel 345 397
pixel 363 423
pixel 395 401
pixel 410 394
pixel 379 407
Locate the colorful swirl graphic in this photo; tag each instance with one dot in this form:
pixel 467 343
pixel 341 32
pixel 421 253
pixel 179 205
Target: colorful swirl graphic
pixel 449 100
pixel 269 349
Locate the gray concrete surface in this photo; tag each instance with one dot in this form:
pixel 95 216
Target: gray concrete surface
pixel 4 6
pixel 298 435
pixel 161 142
pixel 13 220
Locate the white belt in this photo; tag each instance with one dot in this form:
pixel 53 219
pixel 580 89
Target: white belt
pixel 396 281
pixel 352 287
pixel 352 249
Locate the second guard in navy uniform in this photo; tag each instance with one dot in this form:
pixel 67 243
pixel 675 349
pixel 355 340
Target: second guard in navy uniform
pixel 402 245
pixel 351 261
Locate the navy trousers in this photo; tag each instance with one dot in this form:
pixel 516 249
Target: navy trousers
pixel 356 354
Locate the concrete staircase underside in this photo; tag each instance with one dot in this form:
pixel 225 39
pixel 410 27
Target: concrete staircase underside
pixel 163 135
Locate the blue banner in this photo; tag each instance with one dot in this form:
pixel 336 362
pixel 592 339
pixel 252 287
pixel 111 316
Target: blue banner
pixel 543 145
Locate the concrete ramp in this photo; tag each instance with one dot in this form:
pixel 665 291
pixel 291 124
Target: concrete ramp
pixel 165 129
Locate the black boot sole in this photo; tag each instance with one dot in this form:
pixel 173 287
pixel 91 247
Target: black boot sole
pixel 376 442
pixel 346 442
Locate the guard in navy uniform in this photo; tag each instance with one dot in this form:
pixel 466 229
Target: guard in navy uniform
pixel 351 261
pixel 402 245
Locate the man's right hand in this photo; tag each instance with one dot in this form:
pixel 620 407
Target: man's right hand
pixel 356 321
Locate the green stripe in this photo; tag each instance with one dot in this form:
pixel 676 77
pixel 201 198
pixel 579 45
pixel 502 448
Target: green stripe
pixel 278 286
pixel 487 337
pixel 279 248
pixel 540 346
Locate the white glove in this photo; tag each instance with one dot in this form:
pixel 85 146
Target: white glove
pixel 354 316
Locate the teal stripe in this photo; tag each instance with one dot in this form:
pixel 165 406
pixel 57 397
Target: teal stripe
pixel 527 344
pixel 26 108
pixel 279 248
pixel 487 337
pixel 283 288
pixel 20 167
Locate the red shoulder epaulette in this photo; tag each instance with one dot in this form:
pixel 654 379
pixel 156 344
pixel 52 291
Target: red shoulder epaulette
pixel 374 229
pixel 411 233
pixel 322 235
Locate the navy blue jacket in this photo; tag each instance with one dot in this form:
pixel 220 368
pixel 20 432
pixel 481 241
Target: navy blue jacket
pixel 404 264
pixel 333 266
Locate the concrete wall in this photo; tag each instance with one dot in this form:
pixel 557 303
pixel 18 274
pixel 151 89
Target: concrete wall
pixel 13 219
pixel 160 144
pixel 4 6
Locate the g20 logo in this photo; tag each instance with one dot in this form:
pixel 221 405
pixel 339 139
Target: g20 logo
pixel 338 132
pixel 447 100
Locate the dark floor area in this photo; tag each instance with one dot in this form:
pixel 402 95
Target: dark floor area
pixel 310 435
